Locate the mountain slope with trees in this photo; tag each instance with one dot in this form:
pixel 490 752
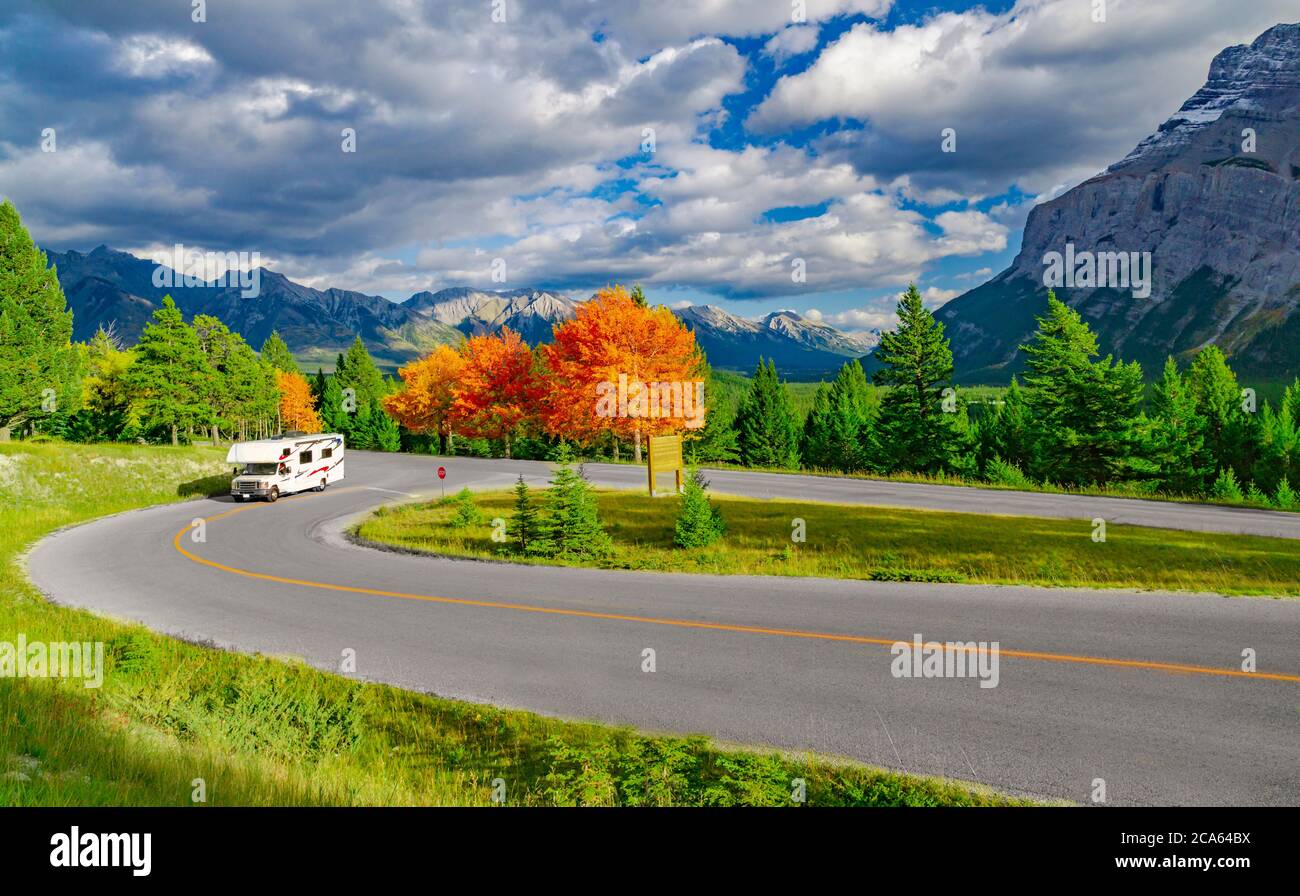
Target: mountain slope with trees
pixel 1213 195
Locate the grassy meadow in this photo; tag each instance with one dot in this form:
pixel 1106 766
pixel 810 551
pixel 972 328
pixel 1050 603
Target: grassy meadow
pixel 880 543
pixel 262 731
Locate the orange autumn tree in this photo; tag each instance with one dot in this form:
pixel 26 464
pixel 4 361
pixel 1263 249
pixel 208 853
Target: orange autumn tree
pixel 297 406
pixel 498 388
pixel 425 403
pixel 621 367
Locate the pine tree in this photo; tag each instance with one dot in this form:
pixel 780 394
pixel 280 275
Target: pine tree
pixel 39 368
pixel 524 525
pixel 383 432
pixel 699 523
pixel 357 429
pixel 837 432
pixel 1174 433
pixel 1226 430
pixel 913 431
pixel 571 527
pixel 1008 433
pixel 814 444
pixel 276 351
pixel 318 386
pixel 717 440
pixel 1225 487
pixel 219 346
pixel 1284 497
pixel 1276 447
pixel 251 394
pixel 1291 400
pixel 170 378
pixel 332 414
pixel 767 433
pixel 466 512
pixel 359 373
pixel 1085 412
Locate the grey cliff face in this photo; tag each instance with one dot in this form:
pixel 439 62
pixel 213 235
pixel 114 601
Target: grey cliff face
pixel 1213 196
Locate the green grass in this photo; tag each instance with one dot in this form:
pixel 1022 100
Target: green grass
pixel 265 731
pixel 858 542
pixel 1145 491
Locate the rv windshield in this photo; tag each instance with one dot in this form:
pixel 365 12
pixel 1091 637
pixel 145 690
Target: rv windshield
pixel 259 469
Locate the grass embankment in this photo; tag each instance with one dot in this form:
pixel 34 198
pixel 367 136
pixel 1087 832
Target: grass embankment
pixel 263 731
pixel 857 542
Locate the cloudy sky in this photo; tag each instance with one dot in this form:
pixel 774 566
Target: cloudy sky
pixel 704 148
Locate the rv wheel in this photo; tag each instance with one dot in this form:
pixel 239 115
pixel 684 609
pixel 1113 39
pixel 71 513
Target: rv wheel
pixel 321 488
pixel 239 499
pixel 273 494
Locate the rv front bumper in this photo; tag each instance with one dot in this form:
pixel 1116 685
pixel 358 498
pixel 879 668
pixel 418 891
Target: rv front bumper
pixel 249 490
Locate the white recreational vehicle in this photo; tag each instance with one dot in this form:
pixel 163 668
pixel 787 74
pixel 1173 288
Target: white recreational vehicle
pixel 293 462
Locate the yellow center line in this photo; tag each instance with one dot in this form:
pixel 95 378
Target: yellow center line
pixel 694 624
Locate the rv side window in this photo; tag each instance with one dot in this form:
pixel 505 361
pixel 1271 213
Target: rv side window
pixel 326 453
pixel 304 458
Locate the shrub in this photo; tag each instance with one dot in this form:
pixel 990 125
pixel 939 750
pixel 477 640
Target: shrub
pixel 699 523
pixel 1226 487
pixel 466 513
pixel 1284 498
pixel 1001 472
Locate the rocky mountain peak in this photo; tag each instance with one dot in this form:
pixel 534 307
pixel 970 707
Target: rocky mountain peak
pixel 1261 78
pixel 1209 205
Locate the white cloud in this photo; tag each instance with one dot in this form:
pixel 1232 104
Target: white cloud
pixel 477 140
pixel 792 41
pixel 641 25
pixel 1040 95
pixel 857 319
pixel 159 56
pixel 934 296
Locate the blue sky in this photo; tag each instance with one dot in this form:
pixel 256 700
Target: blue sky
pixel 516 131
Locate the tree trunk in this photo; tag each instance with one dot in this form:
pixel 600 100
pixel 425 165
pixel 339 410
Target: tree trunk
pixel 636 447
pixel 174 435
pixel 507 447
pixel 4 434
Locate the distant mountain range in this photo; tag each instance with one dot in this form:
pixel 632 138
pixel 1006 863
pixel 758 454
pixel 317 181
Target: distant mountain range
pixel 799 346
pixel 1220 217
pixel 111 288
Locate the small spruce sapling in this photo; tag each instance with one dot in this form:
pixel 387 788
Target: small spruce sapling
pixel 699 523
pixel 466 513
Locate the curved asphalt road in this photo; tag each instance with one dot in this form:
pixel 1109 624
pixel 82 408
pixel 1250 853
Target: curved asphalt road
pixel 793 663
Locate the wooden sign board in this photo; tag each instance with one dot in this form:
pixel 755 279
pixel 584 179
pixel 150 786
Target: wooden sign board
pixel 665 456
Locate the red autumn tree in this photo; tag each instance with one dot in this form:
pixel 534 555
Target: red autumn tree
pixel 498 388
pixel 425 403
pixel 601 366
pixel 297 406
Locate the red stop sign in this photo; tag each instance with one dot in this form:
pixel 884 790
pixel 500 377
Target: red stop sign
pixel 442 472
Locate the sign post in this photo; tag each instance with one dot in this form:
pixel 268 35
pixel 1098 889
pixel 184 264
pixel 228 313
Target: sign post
pixel 665 456
pixel 442 475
